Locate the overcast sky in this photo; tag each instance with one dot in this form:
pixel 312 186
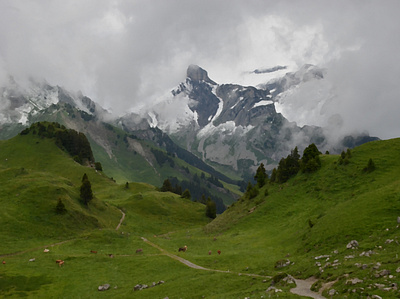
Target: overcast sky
pixel 125 53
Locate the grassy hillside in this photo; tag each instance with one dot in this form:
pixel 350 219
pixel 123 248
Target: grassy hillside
pixel 284 230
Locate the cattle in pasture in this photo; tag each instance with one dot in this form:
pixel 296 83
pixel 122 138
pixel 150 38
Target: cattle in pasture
pixel 32 260
pixel 93 251
pixel 60 262
pixel 209 252
pixel 46 250
pixel 183 249
pixel 4 262
pixel 139 250
pixel 219 251
pixel 111 255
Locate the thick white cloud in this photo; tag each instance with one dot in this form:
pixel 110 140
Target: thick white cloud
pixel 126 53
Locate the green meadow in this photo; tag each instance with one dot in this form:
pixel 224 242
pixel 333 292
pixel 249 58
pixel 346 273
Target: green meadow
pixel 283 231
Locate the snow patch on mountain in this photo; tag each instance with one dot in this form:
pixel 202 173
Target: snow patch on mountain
pixel 263 103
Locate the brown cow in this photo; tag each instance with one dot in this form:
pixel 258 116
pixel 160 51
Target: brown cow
pixel 219 251
pixel 139 250
pixel 60 262
pixel 184 248
pixel 93 251
pixel 4 262
pixel 209 252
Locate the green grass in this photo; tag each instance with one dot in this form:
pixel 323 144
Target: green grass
pixel 340 201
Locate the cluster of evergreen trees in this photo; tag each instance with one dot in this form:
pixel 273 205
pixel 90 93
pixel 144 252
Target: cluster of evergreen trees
pixel 287 168
pixel 73 142
pixel 292 164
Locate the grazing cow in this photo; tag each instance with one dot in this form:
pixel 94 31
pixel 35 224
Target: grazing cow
pixel 209 252
pixel 184 248
pixel 219 251
pixel 60 262
pixel 32 260
pixel 4 262
pixel 46 250
pixel 139 250
pixel 93 251
pixel 111 255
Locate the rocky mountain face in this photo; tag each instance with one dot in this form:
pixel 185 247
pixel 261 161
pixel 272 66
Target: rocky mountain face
pixel 236 127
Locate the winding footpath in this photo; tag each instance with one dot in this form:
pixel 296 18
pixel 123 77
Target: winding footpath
pixel 302 286
pixel 120 222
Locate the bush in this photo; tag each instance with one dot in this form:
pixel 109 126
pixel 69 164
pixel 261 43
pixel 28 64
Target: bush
pixel 60 207
pixel 370 166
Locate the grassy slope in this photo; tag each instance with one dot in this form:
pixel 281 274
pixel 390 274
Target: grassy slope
pixel 342 202
pixel 34 174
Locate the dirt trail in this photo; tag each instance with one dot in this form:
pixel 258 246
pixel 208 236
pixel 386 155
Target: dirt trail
pixel 120 222
pixel 194 266
pixel 302 286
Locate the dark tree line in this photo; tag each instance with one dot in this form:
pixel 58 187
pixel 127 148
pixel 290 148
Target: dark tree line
pixel 73 142
pixel 195 188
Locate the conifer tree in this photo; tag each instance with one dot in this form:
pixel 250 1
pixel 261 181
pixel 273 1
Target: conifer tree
pixel 167 186
pixel 60 207
pixel 211 209
pixel 86 193
pixel 261 175
pixel 186 194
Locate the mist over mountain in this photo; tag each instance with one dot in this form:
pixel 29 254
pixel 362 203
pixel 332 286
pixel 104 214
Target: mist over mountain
pixel 239 127
pixel 231 127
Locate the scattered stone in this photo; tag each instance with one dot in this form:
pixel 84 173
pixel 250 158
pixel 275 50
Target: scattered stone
pixel 398 219
pixel 354 281
pixel 273 289
pixel 332 292
pixel 377 266
pixel 367 253
pixel 140 287
pixel 353 244
pixel 349 257
pixel 388 241
pixel 282 263
pixel 376 297
pixel 322 257
pixel 104 287
pixel 382 273
pixel 335 252
pixel 289 279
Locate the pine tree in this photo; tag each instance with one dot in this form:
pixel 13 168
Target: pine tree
pixel 211 209
pixel 167 186
pixel 86 190
pixel 310 161
pixel 261 175
pixel 370 166
pixel 186 194
pixel 60 207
